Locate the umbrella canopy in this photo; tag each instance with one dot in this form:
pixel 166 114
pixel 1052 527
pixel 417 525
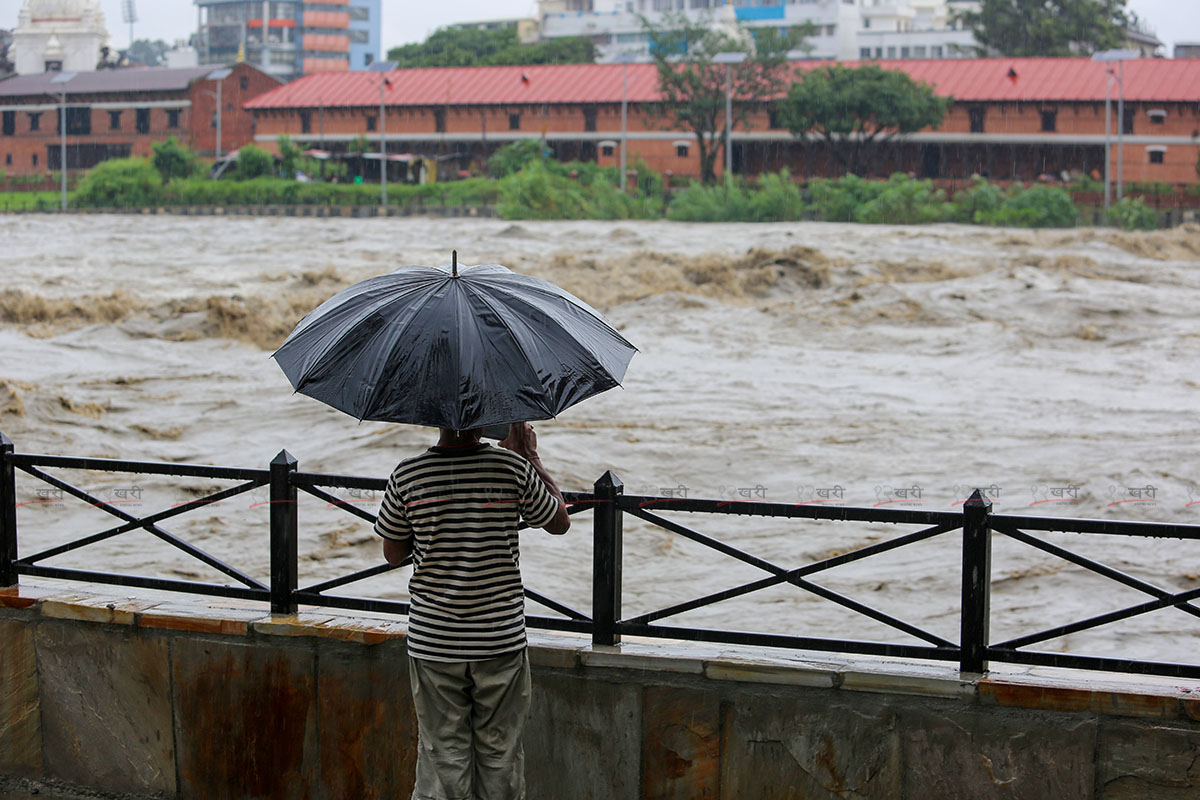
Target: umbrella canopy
pixel 453 348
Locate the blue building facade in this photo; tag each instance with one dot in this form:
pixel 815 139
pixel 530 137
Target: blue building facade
pixel 366 33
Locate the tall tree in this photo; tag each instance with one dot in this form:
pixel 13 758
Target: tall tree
pixel 854 109
pixel 693 84
pixel 1048 27
pixel 148 53
pixel 470 47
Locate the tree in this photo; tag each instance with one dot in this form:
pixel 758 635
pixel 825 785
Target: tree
pixel 147 53
pixel 1048 27
pixel 253 162
pixel 289 155
pixel 471 47
pixel 173 160
pixel 693 84
pixel 853 109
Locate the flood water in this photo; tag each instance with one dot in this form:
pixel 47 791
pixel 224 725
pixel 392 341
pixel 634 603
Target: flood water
pixel 797 363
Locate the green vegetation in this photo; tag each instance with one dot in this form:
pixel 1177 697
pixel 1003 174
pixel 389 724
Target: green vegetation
pixel 1132 213
pixel 253 162
pixel 119 183
pixel 450 47
pixel 174 160
pixel 578 190
pixel 28 201
pixel 856 110
pixel 1037 28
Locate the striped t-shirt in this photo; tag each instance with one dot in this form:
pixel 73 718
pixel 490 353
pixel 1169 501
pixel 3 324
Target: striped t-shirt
pixel 460 508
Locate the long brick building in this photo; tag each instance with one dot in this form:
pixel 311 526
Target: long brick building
pixel 1011 119
pixel 118 113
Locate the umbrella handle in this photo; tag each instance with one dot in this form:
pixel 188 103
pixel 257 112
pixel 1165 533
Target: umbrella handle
pixel 454 263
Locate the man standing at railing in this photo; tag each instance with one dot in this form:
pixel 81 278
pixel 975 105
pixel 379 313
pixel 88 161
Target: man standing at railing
pixel 456 509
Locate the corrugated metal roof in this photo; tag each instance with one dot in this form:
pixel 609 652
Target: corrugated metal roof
pixel 149 79
pixel 1036 79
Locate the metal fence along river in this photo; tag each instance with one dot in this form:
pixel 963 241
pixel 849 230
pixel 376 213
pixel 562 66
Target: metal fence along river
pixel 975 525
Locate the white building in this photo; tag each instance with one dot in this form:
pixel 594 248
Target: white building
pixel 844 29
pixel 61 35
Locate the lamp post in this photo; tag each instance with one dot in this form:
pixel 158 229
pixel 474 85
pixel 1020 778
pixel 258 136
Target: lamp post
pixel 729 58
pixel 218 75
pixel 62 78
pixel 384 83
pixel 624 58
pixel 1108 56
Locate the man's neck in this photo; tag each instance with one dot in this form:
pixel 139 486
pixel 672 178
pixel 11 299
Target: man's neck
pixel 452 439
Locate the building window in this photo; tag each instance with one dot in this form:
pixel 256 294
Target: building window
pixel 935 51
pixel 439 120
pixel 173 117
pixel 114 120
pixel 79 121
pixel 143 120
pixel 830 29
pixel 306 122
pixel 589 118
pixel 35 120
pixel 681 150
pixel 904 52
pixel 1049 121
pixel 8 159
pixel 607 149
pixel 10 123
pixel 976 116
pixel 919 51
pixel 891 52
pixel 1157 116
pixel 53 66
pixel 1158 156
pixel 244 82
pixel 35 159
pixel 866 22
pixel 372 122
pixel 1127 122
pixel 864 53
pixel 514 122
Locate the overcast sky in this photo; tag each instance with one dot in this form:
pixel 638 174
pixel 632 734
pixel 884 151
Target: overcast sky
pixel 412 20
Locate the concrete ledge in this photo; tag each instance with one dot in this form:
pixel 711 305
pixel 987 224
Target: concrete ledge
pixel 167 696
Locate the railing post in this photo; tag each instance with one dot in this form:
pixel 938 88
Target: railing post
pixel 284 532
pixel 607 527
pixel 976 583
pixel 8 513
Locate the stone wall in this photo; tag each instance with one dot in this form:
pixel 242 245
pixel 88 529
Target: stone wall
pixel 183 698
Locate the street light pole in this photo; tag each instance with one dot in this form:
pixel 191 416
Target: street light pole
pixel 729 59
pixel 62 79
pixel 624 120
pixel 1120 56
pixel 382 145
pixel 219 75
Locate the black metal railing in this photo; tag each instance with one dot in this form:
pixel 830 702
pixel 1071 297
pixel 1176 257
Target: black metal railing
pixel 609 505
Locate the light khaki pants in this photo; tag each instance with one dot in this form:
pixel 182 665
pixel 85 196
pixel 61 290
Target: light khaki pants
pixel 470 718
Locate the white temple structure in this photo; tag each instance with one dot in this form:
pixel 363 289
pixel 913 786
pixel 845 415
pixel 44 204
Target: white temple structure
pixel 58 35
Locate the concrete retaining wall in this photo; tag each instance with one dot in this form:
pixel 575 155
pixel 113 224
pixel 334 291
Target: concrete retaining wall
pixel 178 699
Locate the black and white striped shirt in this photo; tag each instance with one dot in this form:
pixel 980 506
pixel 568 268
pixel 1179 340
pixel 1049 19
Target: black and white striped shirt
pixel 460 508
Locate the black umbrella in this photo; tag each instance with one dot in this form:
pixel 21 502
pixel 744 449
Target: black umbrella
pixel 453 348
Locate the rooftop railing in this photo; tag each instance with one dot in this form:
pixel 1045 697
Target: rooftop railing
pixel 975 526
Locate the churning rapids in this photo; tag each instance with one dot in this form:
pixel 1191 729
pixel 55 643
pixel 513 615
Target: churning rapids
pixel 862 365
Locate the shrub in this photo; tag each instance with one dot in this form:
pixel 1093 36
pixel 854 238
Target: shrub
pixel 906 201
pixel 118 183
pixel 981 199
pixel 512 158
pixel 289 155
pixel 838 200
pixel 174 160
pixel 253 162
pixel 1035 207
pixel 1131 213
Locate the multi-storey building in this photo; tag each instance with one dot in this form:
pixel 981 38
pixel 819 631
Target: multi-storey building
pixel 290 38
pixel 842 29
pixel 115 113
pixel 58 35
pixel 1012 119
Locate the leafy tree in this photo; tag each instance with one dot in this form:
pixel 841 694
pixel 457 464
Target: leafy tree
pixel 253 162
pixel 289 155
pixel 451 47
pixel 693 84
pixel 1048 27
pixel 119 182
pixel 174 160
pixel 147 53
pixel 855 108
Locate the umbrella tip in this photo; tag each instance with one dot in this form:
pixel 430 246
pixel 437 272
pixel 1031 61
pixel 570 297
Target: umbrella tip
pixel 454 263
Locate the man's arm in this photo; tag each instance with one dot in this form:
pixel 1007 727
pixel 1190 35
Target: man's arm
pixel 523 441
pixel 394 552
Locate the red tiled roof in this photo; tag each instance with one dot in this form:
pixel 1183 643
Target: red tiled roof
pixel 983 79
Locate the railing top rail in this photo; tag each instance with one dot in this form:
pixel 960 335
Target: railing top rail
pixel 797 510
pixel 142 467
pixel 315 479
pixel 1120 527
